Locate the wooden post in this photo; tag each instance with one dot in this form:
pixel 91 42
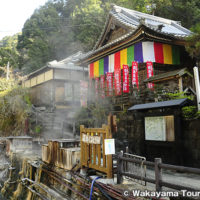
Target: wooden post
pixel 158 174
pixel 109 157
pixel 82 146
pixel 119 168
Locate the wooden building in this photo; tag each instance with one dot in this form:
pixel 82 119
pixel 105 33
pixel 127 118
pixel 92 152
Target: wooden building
pixel 135 54
pixel 156 45
pixel 57 83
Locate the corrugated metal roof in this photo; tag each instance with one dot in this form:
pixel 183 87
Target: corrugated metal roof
pixel 161 104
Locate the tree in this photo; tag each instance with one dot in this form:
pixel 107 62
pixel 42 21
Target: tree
pixel 193 43
pixel 8 51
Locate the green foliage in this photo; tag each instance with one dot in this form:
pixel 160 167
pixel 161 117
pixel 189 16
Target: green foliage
pixel 178 95
pixel 193 45
pixel 38 129
pixel 14 109
pixel 185 11
pixel 8 51
pixel 93 116
pixel 190 112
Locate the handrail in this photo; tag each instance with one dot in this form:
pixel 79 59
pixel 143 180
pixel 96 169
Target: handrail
pixel 158 165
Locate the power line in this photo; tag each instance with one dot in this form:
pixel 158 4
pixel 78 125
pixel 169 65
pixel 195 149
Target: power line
pixel 52 27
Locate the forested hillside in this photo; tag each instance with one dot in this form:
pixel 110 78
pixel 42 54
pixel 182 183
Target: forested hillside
pixel 63 27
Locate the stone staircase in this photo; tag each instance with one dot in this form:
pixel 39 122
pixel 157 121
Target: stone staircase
pixel 54 123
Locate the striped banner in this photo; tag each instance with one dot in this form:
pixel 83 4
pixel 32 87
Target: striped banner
pixel 141 52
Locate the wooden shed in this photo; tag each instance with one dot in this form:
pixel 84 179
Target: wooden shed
pixel 162 129
pixel 57 83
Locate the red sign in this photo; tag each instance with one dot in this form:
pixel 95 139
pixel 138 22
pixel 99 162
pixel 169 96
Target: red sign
pixel 150 73
pixel 125 79
pixel 135 74
pixel 102 86
pixel 118 82
pixel 96 87
pixel 109 79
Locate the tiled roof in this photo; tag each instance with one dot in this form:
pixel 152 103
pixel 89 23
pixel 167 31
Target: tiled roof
pixel 179 72
pixel 68 63
pixel 133 20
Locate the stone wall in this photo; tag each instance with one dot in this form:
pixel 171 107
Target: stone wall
pixel 191 142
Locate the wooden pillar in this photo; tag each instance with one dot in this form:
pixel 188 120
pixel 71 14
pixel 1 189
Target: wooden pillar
pixel 119 168
pixel 109 157
pixel 158 174
pixel 180 84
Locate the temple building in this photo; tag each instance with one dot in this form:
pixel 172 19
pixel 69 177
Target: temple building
pixel 134 48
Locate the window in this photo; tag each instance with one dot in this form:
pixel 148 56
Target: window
pixel 160 128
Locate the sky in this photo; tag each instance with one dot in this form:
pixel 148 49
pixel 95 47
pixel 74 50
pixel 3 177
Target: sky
pixel 14 13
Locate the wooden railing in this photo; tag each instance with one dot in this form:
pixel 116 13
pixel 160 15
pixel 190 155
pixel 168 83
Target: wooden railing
pixel 93 149
pixel 158 166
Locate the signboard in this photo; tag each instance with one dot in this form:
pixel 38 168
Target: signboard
pixel 109 146
pixel 135 74
pixel 91 139
pixel 125 79
pixel 155 128
pixel 117 77
pixel 150 73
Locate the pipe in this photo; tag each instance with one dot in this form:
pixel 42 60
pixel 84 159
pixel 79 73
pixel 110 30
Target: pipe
pixel 93 181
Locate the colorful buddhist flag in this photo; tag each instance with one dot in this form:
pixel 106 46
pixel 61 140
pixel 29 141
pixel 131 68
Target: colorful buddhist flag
pixel 138 55
pixel 91 69
pixel 158 51
pixel 111 63
pixel 106 64
pixel 176 55
pixel 101 67
pixel 167 53
pixel 123 57
pixel 96 69
pixel 130 55
pixel 148 51
pixel 117 60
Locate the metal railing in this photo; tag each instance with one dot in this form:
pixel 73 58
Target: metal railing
pixel 158 166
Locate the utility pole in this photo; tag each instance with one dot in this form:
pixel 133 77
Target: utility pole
pixel 196 79
pixel 8 71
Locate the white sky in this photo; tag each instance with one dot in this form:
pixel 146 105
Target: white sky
pixel 14 13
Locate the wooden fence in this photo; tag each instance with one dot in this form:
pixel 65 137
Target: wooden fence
pixel 158 166
pixel 93 149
